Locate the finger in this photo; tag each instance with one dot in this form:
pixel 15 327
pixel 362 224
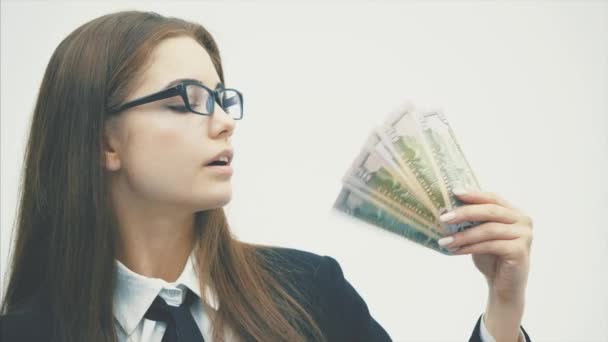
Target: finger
pixel 480 233
pixel 479 197
pixel 481 213
pixel 503 248
pixel 496 247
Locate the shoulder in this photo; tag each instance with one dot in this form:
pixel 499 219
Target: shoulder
pixel 309 270
pixel 322 271
pixel 285 256
pixel 342 311
pixel 25 323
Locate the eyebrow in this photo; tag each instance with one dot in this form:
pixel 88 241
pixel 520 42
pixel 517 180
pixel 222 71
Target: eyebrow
pixel 174 82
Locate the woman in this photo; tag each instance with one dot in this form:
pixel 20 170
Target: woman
pixel 121 233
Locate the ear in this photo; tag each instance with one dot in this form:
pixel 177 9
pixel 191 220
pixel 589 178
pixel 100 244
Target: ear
pixel 110 155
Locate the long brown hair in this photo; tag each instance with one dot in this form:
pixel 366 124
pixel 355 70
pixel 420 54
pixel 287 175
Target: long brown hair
pixel 66 228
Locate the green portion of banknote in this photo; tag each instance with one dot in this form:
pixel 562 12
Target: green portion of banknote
pixel 404 177
pixel 387 152
pixel 405 139
pixel 369 174
pixel 447 154
pixel 356 206
pixel 395 209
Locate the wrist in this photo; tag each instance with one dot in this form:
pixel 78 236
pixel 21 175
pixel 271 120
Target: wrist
pixel 503 318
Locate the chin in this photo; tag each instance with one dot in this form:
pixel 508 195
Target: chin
pixel 214 202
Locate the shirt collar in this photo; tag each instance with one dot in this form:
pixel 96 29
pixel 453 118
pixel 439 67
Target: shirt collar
pixel 134 293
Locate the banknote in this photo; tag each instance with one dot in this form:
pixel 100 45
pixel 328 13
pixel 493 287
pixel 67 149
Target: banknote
pixel 405 139
pixel 404 178
pixel 449 158
pixel 356 206
pixel 369 174
pixel 386 151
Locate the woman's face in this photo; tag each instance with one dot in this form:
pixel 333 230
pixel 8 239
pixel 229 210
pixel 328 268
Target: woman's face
pixel 159 155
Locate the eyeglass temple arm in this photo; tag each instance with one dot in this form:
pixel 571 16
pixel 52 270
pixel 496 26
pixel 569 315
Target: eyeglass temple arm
pixel 163 94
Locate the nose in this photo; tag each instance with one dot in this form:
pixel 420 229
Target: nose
pixel 221 122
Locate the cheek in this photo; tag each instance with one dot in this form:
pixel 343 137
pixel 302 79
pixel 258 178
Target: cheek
pixel 163 155
pixel 164 161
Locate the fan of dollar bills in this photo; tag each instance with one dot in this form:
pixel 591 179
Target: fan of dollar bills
pixel 403 178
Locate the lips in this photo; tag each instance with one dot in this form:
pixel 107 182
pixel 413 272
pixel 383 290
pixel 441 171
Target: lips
pixel 221 159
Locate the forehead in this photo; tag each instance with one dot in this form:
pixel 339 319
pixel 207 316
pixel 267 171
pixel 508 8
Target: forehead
pixel 173 58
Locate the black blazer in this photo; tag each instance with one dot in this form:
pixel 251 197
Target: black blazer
pixel 341 312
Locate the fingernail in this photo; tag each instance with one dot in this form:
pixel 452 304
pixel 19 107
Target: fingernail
pixel 459 191
pixel 445 241
pixel 452 250
pixel 447 216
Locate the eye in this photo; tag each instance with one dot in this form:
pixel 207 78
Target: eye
pixel 179 109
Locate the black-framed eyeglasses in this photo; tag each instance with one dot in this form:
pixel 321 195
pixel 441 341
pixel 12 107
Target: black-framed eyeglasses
pixel 197 99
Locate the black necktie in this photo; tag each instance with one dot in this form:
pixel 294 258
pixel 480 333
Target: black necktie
pixel 180 323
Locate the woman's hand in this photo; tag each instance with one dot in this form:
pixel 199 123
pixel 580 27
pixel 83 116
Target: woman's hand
pixel 500 247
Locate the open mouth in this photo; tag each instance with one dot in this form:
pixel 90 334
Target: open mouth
pixel 218 163
pixel 221 165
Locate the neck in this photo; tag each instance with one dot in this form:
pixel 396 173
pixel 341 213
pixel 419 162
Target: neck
pixel 153 240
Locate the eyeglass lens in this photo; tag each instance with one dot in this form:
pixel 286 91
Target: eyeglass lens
pixel 201 100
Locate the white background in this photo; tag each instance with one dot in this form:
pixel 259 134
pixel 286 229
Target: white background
pixel 524 85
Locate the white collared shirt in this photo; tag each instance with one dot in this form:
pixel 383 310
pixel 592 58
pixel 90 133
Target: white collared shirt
pixel 134 293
